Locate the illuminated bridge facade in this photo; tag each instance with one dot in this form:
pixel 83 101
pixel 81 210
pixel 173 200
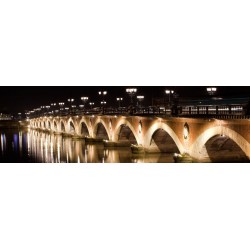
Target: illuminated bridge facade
pixel 203 139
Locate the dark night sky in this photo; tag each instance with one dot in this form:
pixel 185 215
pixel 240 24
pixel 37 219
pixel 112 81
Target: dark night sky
pixel 17 99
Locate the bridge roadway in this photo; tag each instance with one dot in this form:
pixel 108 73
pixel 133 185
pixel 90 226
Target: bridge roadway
pixel 203 139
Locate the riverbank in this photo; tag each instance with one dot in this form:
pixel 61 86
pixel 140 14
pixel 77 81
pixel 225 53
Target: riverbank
pixel 13 124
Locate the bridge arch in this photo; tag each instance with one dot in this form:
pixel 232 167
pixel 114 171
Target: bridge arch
pixel 125 131
pixel 101 130
pixel 62 126
pixel 202 145
pixel 48 124
pixel 84 130
pixel 55 125
pixel 152 144
pixel 72 128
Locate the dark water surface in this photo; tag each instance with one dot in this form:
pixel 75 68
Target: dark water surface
pixel 33 146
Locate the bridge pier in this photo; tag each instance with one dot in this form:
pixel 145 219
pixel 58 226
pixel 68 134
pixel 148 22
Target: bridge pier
pixel 77 137
pixel 137 149
pixel 113 144
pixel 91 140
pixel 57 133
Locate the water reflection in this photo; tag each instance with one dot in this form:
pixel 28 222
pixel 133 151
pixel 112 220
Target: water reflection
pixel 34 146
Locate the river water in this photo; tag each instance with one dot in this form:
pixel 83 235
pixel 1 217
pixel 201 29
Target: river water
pixel 37 147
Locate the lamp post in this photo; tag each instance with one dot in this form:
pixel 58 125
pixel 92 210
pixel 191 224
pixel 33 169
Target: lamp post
pixel 42 110
pixel 211 90
pixel 140 99
pixel 84 100
pixel 119 99
pixel 91 104
pixel 61 104
pixel 131 92
pixel 47 107
pixel 71 100
pixel 103 103
pixel 53 105
pixel 169 93
pixel 102 94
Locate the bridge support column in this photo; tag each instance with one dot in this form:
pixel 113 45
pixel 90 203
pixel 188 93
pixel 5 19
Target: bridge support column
pixel 91 140
pixel 57 133
pixel 137 149
pixel 112 144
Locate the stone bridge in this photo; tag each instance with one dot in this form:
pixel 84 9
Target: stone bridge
pixel 203 139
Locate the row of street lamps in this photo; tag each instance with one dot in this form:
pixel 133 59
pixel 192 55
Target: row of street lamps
pixel 130 91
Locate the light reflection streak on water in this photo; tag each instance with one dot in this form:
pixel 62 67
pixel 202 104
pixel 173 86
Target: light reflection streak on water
pixel 51 152
pixel 44 147
pixel 28 142
pixel 2 143
pixel 15 142
pixel 20 142
pixel 58 152
pixel 85 156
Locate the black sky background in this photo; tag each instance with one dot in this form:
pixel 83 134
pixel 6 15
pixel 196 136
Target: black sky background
pixel 20 98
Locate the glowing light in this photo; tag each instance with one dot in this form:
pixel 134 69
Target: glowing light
pixel 186 131
pixel 140 127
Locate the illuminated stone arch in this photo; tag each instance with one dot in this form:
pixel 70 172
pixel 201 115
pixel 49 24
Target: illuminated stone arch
pixel 118 129
pixel 198 149
pixel 62 126
pixel 55 125
pixel 84 129
pixel 154 128
pixel 97 125
pixel 72 127
pixel 48 124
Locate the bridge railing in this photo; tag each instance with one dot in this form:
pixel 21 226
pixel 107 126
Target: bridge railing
pixel 219 112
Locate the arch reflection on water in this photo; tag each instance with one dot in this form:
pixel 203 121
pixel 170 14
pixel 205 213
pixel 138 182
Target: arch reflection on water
pixel 42 147
pixel 53 148
pixel 45 147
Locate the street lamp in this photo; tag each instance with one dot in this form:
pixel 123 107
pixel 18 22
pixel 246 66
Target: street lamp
pixel 84 100
pixel 53 105
pixel 103 93
pixel 47 107
pixel 119 99
pixel 140 99
pixel 70 101
pixel 211 91
pixel 61 104
pixel 131 92
pixel 91 104
pixel 169 93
